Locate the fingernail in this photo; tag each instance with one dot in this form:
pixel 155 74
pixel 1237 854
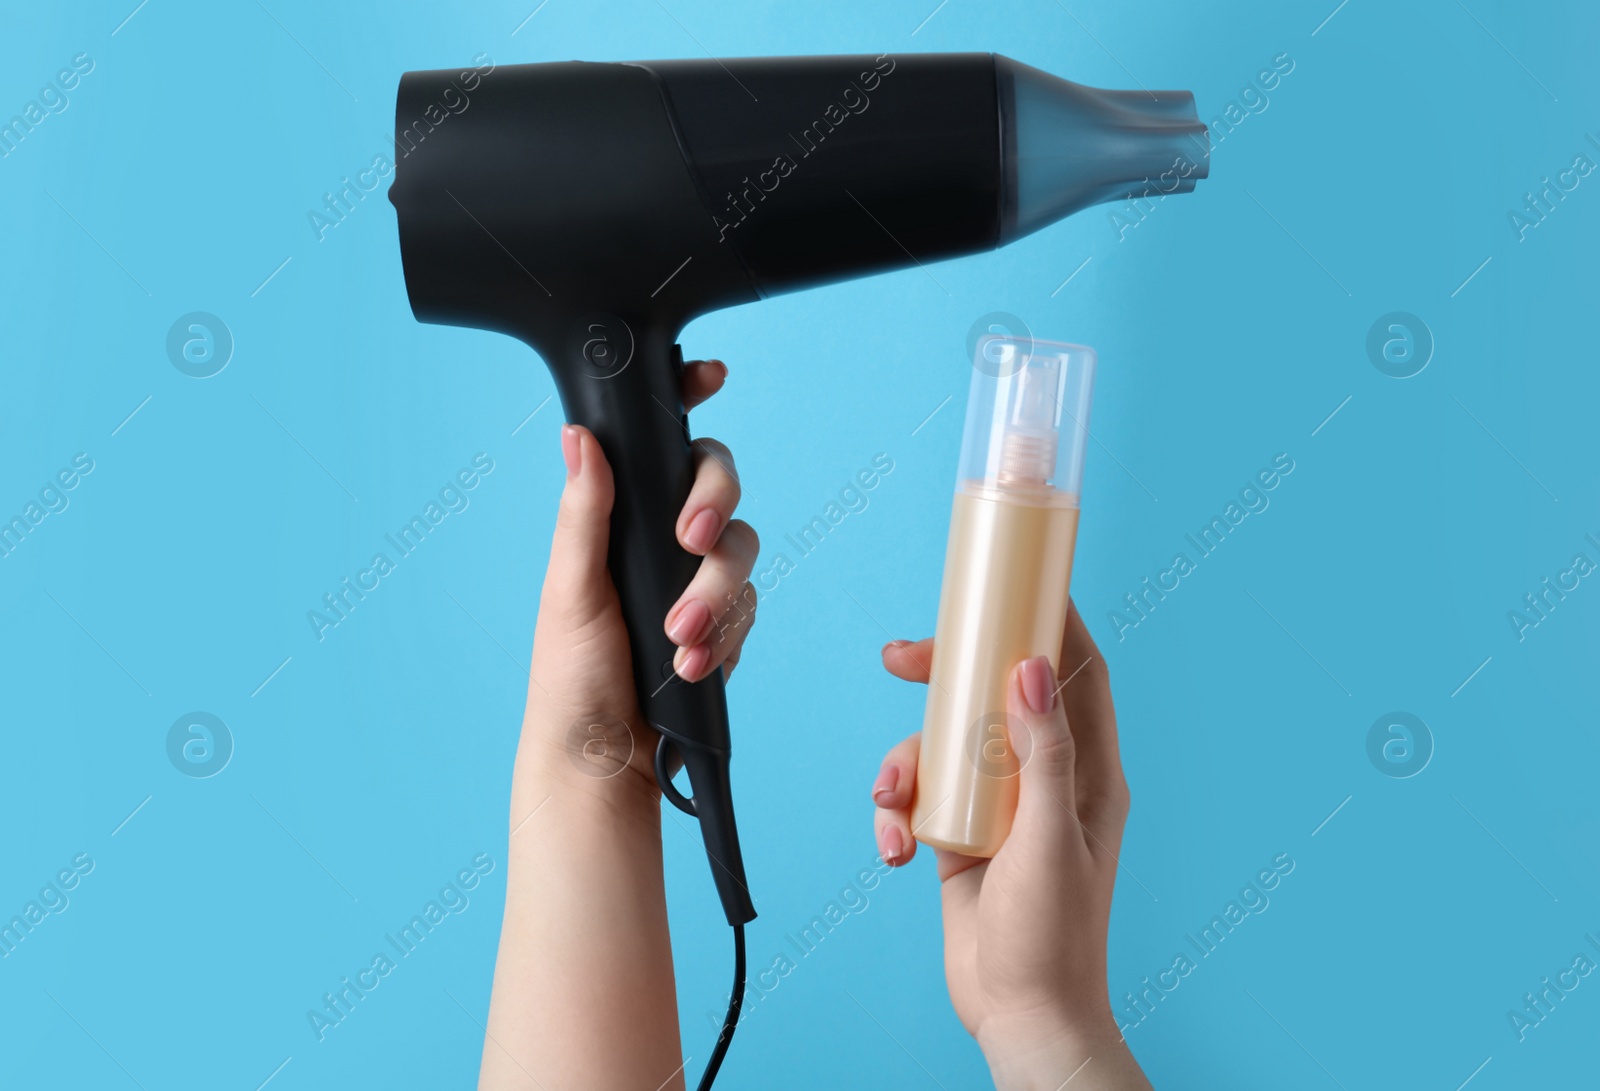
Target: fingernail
pixel 893 844
pixel 690 663
pixel 571 449
pixel 884 786
pixel 721 365
pixel 703 530
pixel 687 628
pixel 1038 684
pixel 895 644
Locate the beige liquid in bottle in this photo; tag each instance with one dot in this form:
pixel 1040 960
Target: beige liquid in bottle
pixel 1008 566
pixel 1004 599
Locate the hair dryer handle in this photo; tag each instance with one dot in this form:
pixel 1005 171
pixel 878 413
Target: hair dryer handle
pixel 628 394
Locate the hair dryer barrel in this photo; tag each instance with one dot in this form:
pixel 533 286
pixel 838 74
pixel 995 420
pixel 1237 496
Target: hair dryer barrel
pixel 818 169
pixel 657 191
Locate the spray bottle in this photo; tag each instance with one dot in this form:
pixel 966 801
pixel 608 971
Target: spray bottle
pixel 1007 568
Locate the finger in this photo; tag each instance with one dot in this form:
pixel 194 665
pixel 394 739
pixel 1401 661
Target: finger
pixel 747 601
pixel 712 497
pixel 731 630
pixel 897 777
pixel 576 584
pixel 1085 688
pixel 726 640
pixel 960 899
pixel 714 603
pixel 892 831
pixel 701 379
pixel 1046 807
pixel 908 660
pixel 893 793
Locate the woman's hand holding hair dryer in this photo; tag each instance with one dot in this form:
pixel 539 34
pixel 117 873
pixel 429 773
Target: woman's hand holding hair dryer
pixel 583 987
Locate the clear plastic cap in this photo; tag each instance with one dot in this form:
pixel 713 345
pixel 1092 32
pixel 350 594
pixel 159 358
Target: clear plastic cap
pixel 1027 415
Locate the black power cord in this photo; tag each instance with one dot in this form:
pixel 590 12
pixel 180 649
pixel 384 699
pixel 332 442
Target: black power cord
pixel 730 1022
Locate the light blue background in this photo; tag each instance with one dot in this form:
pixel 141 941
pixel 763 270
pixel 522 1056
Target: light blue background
pixel 1230 324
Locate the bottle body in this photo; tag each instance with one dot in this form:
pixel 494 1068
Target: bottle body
pixel 1008 565
pixel 1004 599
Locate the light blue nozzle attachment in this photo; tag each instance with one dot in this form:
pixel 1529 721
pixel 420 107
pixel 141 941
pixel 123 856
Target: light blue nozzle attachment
pixel 1065 146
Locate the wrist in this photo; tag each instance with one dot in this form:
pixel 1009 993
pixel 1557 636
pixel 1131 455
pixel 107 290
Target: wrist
pixel 1041 1052
pixel 579 773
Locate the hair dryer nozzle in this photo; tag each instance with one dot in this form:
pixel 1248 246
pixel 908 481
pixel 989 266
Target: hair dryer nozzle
pixel 1066 146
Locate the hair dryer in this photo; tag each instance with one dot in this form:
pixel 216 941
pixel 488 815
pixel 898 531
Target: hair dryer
pixel 592 210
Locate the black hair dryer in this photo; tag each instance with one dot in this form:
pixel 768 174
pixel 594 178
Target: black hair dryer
pixel 592 210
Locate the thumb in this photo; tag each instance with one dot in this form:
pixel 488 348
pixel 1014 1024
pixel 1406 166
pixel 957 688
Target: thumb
pixel 576 585
pixel 1045 798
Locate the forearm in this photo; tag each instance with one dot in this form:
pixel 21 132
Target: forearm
pixel 1044 1059
pixel 583 987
